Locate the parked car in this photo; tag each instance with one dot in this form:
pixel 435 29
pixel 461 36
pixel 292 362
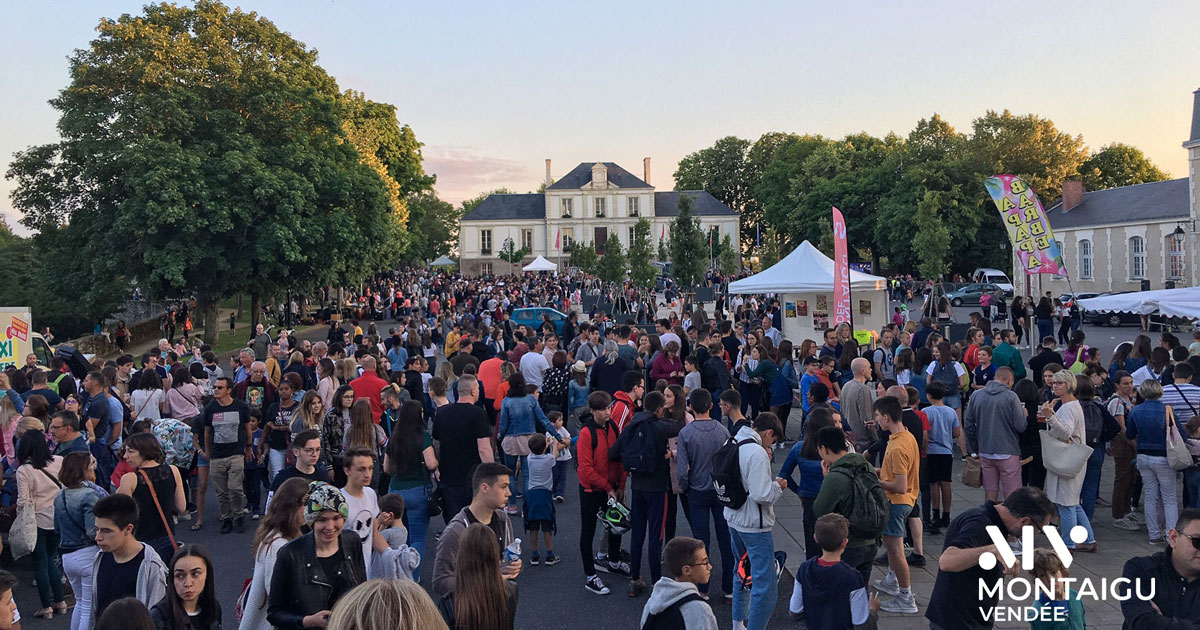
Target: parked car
pixel 1067 298
pixel 994 276
pixel 533 317
pixel 1108 318
pixel 968 295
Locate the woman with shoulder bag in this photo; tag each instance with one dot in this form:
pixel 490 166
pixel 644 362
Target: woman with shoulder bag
pixel 1065 433
pixel 37 487
pixel 76 526
pixel 410 460
pixel 1147 424
pixel 184 398
pixel 158 490
pixel 520 417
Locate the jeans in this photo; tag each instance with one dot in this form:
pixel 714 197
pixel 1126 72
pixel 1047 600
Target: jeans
pixel 862 559
pixel 1159 479
pixel 1191 497
pixel 559 484
pixel 45 567
pixel 648 516
pixel 756 607
pixel 522 474
pixel 1069 517
pixel 416 519
pixel 590 504
pixel 811 549
pixel 226 474
pixel 105 463
pixel 1091 482
pixel 1124 454
pixel 702 504
pixel 78 567
pixel 252 485
pixel 276 461
pixel 1045 329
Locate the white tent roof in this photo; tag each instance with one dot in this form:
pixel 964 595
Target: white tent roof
pixel 1183 302
pixel 443 261
pixel 540 264
pixel 805 270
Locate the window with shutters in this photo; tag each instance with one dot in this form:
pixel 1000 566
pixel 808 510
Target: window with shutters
pixel 1137 258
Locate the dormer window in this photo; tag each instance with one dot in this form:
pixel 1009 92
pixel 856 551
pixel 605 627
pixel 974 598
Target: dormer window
pixel 599 174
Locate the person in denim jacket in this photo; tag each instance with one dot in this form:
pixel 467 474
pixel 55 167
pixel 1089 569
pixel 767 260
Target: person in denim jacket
pixel 77 529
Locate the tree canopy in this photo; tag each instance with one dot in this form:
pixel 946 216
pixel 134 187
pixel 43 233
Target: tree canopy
pixel 1118 165
pixel 689 258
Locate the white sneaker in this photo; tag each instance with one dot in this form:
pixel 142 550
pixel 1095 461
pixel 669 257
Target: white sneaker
pixel 887 585
pixel 594 585
pixel 906 604
pixel 1127 523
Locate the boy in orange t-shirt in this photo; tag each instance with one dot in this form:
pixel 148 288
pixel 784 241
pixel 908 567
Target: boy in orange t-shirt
pixel 900 478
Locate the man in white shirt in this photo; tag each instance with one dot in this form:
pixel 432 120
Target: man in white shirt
pixel 665 335
pixel 771 331
pixel 534 365
pixel 363 505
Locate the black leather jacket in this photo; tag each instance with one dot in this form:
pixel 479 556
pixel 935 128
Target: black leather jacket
pixel 1178 600
pixel 300 587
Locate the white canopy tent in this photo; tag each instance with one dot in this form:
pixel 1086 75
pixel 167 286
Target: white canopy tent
pixel 803 281
pixel 1183 302
pixel 443 261
pixel 540 264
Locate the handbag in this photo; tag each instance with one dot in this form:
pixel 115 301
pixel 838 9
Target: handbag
pixel 1178 455
pixel 163 516
pixel 972 473
pixel 22 536
pixel 1065 459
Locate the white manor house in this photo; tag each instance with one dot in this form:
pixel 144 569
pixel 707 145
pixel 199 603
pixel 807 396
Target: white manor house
pixel 592 203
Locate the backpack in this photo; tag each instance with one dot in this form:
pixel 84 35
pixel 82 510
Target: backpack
pixel 1099 425
pixel 638 450
pixel 868 511
pixel 670 618
pixel 727 474
pixel 176 439
pixel 53 385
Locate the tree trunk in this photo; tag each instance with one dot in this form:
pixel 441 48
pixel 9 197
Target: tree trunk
pixel 875 261
pixel 239 313
pixel 255 310
pixel 207 308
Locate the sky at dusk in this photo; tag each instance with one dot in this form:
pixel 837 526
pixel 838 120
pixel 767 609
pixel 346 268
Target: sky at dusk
pixel 494 88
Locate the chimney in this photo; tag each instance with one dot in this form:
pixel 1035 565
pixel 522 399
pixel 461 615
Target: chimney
pixel 646 170
pixel 1072 194
pixel 548 180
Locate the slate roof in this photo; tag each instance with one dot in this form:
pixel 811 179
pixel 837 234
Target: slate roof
pixel 532 206
pixel 1141 203
pixel 666 204
pixel 581 176
pixel 509 208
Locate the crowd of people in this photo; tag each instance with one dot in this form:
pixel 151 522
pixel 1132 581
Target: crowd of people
pixel 428 400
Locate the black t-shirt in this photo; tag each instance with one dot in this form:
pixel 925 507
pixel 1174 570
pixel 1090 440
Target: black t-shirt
pixel 955 601
pixel 280 419
pixel 228 425
pixel 498 525
pixel 318 474
pixel 457 427
pixel 116 579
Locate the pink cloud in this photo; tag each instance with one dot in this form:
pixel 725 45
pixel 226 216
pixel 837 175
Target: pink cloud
pixel 464 172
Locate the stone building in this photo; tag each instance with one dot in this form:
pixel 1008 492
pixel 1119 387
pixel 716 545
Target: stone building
pixel 592 203
pixel 1122 239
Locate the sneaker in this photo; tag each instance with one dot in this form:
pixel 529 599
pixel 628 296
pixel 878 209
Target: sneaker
pixel 900 604
pixel 601 557
pixel 558 499
pixel 511 510
pixel 887 584
pixel 186 516
pixel 255 516
pixel 226 526
pixel 1136 517
pixel 594 585
pixel 915 560
pixel 1128 524
pixel 618 568
pixel 551 559
pixel 239 524
pixel 636 587
pixel 534 559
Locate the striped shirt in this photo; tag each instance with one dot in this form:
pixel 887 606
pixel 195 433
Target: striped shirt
pixel 1183 399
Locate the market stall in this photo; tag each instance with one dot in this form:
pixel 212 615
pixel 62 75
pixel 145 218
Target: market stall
pixel 803 283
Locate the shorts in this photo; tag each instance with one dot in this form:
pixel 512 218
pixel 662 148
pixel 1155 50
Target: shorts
pixel 548 527
pixel 201 461
pixel 897 515
pixel 941 467
pixel 954 401
pixel 916 508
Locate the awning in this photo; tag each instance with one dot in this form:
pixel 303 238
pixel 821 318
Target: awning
pixel 805 270
pixel 540 264
pixel 1183 302
pixel 443 261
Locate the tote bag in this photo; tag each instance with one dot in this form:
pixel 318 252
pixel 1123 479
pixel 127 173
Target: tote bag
pixel 1178 455
pixel 23 535
pixel 1065 459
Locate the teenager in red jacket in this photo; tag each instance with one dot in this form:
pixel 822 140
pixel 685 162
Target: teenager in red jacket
pixel 625 403
pixel 599 479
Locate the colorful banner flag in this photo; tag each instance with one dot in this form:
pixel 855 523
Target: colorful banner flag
pixel 664 233
pixel 1028 228
pixel 841 272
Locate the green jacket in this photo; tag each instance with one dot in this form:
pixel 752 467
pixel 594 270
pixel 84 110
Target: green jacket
pixel 838 490
pixel 1005 355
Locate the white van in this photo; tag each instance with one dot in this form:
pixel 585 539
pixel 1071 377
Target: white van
pixel 994 276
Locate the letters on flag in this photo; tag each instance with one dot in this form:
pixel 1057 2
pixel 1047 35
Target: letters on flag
pixel 841 271
pixel 1028 229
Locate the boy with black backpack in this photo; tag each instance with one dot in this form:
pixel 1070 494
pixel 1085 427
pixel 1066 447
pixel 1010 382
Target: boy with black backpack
pixel 851 488
pixel 643 453
pixel 676 603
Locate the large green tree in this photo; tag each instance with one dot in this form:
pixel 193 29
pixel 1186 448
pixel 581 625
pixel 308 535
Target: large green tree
pixel 612 262
pixel 641 255
pixel 583 255
pixel 1119 165
pixel 1029 146
pixel 932 238
pixel 689 257
pixel 433 227
pixel 203 151
pixel 722 171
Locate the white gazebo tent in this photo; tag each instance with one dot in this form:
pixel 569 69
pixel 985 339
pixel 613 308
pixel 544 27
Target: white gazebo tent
pixel 803 283
pixel 443 261
pixel 1182 302
pixel 540 264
